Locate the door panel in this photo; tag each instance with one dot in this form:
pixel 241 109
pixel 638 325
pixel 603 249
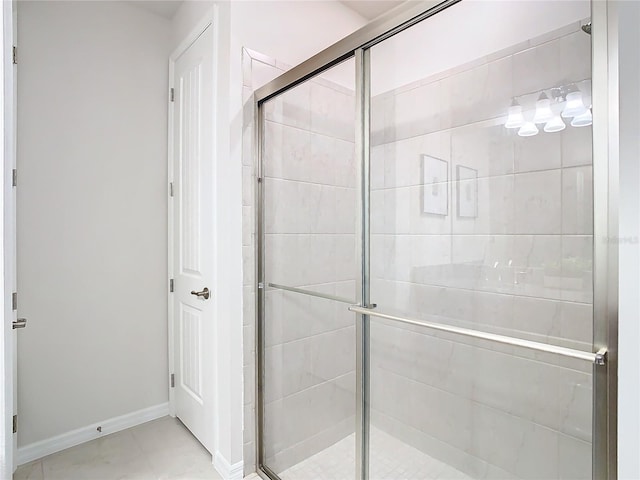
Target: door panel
pixel 194 238
pixel 310 243
pixel 189 101
pixel 479 225
pixel 190 351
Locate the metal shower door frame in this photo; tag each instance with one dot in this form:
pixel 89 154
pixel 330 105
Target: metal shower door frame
pixel 605 189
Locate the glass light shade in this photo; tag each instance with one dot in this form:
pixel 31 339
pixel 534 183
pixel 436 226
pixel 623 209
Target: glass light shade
pixel 555 125
pixel 543 110
pixel 583 120
pixel 515 118
pixel 574 105
pixel 529 129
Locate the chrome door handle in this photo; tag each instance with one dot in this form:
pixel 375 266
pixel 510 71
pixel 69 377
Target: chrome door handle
pixel 20 323
pixel 204 293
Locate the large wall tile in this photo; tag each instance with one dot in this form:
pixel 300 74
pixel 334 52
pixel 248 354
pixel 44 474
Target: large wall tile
pixel 482 92
pixel 575 458
pixel 577 268
pixel 575 56
pixel 537 68
pixel 345 210
pixel 487 149
pixel 495 207
pixel 417 111
pixel 317 359
pixel 540 152
pixel 537 198
pixel 343 163
pixel 575 403
pixel 324 159
pixel 272 155
pixel 577 201
pixel 281 214
pixel 523 448
pixel 577 146
pixel 332 112
pixel 577 322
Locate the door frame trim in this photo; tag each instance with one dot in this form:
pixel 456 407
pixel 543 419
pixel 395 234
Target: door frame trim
pixel 8 249
pixel 206 22
pixel 605 98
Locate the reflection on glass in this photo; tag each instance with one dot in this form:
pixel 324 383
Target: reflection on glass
pixel 309 208
pixel 481 217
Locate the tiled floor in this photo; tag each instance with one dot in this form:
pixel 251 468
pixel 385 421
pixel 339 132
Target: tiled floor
pixel 161 449
pixel 391 459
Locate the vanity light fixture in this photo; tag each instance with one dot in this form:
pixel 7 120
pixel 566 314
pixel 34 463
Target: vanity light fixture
pixel 556 124
pixel 543 109
pixel 583 120
pixel 528 129
pixel 555 109
pixel 574 106
pixel 515 118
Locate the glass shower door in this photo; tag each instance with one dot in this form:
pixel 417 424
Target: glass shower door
pixel 309 272
pixel 482 220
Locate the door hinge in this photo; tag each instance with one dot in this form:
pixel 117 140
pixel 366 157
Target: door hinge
pixel 14 301
pixel 15 55
pixel 172 94
pixel 172 380
pixel 14 178
pixel 15 424
pixel 171 189
pixel 171 285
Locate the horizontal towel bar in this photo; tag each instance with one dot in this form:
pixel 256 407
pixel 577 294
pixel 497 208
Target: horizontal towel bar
pixel 599 358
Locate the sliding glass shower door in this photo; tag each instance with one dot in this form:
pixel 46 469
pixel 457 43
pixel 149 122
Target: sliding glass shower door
pixel 309 185
pixel 427 254
pixel 482 219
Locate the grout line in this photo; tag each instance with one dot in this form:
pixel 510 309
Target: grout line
pixel 308 129
pixel 573 302
pixel 306 182
pixel 310 337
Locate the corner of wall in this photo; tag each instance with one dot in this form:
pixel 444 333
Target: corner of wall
pixel 226 470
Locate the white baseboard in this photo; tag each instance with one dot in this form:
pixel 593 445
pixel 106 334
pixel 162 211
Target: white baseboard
pixel 55 444
pixel 226 470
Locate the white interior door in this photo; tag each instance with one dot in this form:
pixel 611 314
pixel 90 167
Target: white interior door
pixel 193 238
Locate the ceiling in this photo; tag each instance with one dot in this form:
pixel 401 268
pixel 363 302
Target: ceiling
pixel 165 8
pixel 371 9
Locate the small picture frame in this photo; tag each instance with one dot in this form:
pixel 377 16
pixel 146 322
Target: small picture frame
pixel 467 191
pixel 435 175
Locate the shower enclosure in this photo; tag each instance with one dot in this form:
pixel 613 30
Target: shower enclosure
pixel 436 274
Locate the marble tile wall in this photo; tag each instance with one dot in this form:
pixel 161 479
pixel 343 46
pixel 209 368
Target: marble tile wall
pixel 309 188
pixel 521 266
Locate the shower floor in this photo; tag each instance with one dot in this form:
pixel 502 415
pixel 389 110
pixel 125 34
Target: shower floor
pixel 391 459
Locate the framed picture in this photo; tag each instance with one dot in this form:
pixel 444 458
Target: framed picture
pixel 467 192
pixel 435 198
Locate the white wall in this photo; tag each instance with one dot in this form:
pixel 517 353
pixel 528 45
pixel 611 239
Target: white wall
pixel 629 308
pixel 92 96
